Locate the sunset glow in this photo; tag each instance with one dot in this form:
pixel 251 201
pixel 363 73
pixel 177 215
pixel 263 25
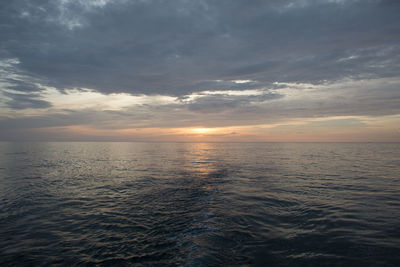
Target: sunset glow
pixel 201 130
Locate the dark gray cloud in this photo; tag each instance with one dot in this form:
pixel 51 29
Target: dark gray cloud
pixel 214 103
pixel 25 101
pixel 22 86
pixel 178 47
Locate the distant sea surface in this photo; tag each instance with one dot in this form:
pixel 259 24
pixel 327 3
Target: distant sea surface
pixel 200 204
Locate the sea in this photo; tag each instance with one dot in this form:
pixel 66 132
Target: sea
pixel 199 204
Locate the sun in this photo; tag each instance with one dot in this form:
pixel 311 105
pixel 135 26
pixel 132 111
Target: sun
pixel 201 130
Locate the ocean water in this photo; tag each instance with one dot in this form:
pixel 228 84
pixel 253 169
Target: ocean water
pixel 181 204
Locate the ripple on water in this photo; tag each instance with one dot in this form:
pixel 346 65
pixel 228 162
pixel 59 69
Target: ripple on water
pixel 199 204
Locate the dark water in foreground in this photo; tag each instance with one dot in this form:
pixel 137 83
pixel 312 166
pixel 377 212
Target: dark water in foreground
pixel 270 204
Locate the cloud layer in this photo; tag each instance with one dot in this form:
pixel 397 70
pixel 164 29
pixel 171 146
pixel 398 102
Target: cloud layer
pixel 222 63
pixel 175 47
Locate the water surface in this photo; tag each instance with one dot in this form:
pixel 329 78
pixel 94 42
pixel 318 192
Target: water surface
pixel 180 204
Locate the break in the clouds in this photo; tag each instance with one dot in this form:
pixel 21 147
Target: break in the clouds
pixel 116 65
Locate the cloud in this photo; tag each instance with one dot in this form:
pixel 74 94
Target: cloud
pixel 25 101
pixel 215 102
pixel 22 86
pixel 117 64
pixel 234 108
pixel 175 47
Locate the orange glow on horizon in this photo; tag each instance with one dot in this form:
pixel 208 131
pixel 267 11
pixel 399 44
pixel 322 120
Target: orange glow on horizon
pixel 201 130
pixel 333 129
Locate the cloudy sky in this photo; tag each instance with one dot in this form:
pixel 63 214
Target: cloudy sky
pixel 200 70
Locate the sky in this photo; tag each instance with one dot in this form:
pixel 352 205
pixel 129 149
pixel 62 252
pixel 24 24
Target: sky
pixel 200 70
